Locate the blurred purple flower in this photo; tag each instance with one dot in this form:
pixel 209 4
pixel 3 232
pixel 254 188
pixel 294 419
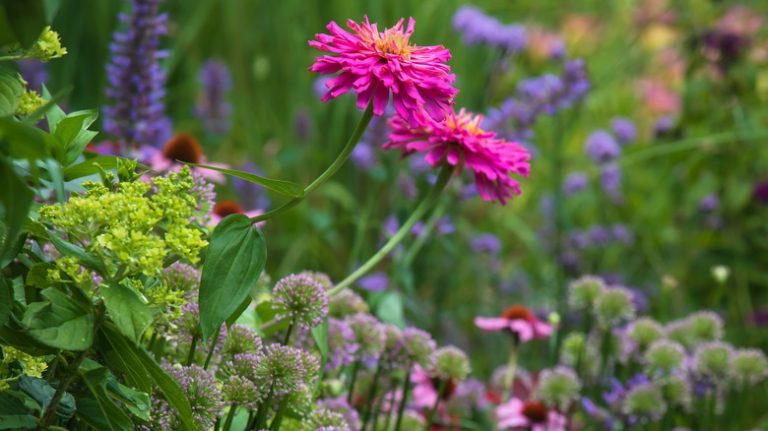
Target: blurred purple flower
pixel 575 182
pixel 478 28
pixel 375 282
pixel 663 126
pixel 601 147
pixel 610 180
pixel 485 243
pixel 624 129
pixel 760 191
pixel 212 105
pixel 250 195
pixel 364 155
pixel 709 203
pixel 445 226
pixel 34 72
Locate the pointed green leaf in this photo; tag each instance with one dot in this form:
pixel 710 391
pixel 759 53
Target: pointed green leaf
pixel 11 90
pixel 68 249
pixel 278 186
pixel 15 202
pixel 235 259
pixel 73 133
pixel 60 322
pixel 96 380
pixel 131 315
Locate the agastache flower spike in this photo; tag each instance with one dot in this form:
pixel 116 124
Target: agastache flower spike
pixel 374 64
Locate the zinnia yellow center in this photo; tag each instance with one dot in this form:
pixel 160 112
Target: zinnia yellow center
pixel 393 42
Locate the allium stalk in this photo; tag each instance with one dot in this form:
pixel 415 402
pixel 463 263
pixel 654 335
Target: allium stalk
pixel 421 209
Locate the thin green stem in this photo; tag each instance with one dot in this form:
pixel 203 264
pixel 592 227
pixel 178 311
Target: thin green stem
pixel 230 417
pixel 509 376
pixel 192 347
pixel 50 412
pixel 431 416
pixel 332 169
pixel 403 399
pixel 211 348
pixel 425 205
pixel 352 380
pixel 278 419
pixel 288 334
pixel 372 394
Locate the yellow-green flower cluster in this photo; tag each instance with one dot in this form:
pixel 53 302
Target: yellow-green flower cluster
pixel 48 46
pixel 30 102
pixel 30 365
pixel 134 229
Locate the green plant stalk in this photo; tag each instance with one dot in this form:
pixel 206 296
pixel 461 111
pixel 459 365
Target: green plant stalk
pixel 431 416
pixel 509 376
pixel 263 411
pixel 332 169
pixel 377 413
pixel 192 347
pixel 425 205
pixel 372 395
pixel 404 399
pixel 230 417
pixel 278 419
pixel 288 334
pixel 352 380
pixel 50 412
pixel 211 349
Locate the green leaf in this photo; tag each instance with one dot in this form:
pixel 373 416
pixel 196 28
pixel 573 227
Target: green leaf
pixel 131 315
pixel 244 306
pixel 73 133
pixel 11 90
pixel 15 202
pixel 137 402
pixel 278 186
pixel 60 322
pixel 27 20
pixel 6 301
pixel 83 257
pixel 96 380
pixel 42 392
pixel 235 259
pixel 320 335
pixel 89 167
pixel 38 275
pixel 390 309
pixel 138 358
pixel 25 141
pixel 53 115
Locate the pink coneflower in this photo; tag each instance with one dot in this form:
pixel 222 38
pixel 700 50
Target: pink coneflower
pixel 181 148
pixel 372 63
pixel 519 320
pixel 460 141
pixel 227 207
pixel 529 415
pixel 425 388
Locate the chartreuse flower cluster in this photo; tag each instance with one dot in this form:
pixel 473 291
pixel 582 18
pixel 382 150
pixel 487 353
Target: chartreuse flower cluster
pixel 134 229
pixel 14 363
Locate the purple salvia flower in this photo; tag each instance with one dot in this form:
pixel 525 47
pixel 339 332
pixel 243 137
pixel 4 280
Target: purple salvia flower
pixel 445 226
pixel 212 105
pixel 610 180
pixel 136 80
pixel 485 243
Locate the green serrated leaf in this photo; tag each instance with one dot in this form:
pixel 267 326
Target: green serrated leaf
pixel 60 322
pixel 236 257
pixel 131 315
pixel 11 90
pixel 278 186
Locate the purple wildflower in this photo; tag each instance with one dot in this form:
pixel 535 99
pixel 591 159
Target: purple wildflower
pixel 760 191
pixel 602 147
pixel 610 180
pixel 375 282
pixel 663 126
pixel 709 203
pixel 212 107
pixel 341 345
pixel 478 28
pixel 624 129
pixel 249 194
pixel 34 72
pixel 136 80
pixel 485 243
pixel 301 299
pixel 575 183
pixel 199 387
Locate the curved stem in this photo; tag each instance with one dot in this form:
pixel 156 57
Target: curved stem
pixel 425 205
pixel 332 169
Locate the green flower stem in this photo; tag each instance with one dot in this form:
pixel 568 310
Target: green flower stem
pixel 431 416
pixel 263 411
pixel 352 380
pixel 509 376
pixel 214 340
pixel 425 205
pixel 372 394
pixel 50 412
pixel 278 419
pixel 288 334
pixel 230 417
pixel 332 169
pixel 192 347
pixel 377 413
pixel 404 399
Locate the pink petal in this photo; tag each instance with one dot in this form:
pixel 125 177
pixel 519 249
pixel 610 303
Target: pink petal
pixel 491 323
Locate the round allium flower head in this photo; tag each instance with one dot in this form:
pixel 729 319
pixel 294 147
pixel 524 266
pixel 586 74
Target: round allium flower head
pixel 419 346
pixel 677 391
pixel 320 277
pixel 394 353
pixel 346 303
pixel 301 299
pixel 705 326
pixel 645 400
pixel 558 387
pixel 678 331
pixel 614 306
pixel 369 335
pixel 645 331
pixel 181 276
pixel 625 130
pixel 749 367
pixel 199 387
pixel 341 406
pixel 532 415
pixel 583 292
pixel 326 420
pixel 573 346
pixel 459 141
pixel 601 147
pixel 241 339
pixel 374 63
pixel 281 369
pixel 519 320
pixel 451 363
pixel 664 356
pixel 713 360
pixel 341 345
pixel 241 386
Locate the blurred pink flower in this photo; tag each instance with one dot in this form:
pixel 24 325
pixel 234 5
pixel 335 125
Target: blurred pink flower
pixel 519 320
pixel 227 207
pixel 460 141
pixel 530 415
pixel 181 148
pixel 658 97
pixel 741 20
pixel 373 63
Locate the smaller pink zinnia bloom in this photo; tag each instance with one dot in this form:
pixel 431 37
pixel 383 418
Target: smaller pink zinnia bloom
pixel 374 63
pixel 519 320
pixel 226 207
pixel 182 147
pixel 529 415
pixel 459 141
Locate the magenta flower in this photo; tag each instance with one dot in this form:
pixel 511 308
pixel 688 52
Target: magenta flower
pixel 519 320
pixel 530 415
pixel 459 141
pixel 373 63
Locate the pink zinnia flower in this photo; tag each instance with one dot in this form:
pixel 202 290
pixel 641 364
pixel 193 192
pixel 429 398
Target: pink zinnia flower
pixel 459 141
pixel 182 147
pixel 373 63
pixel 226 207
pixel 519 320
pixel 530 415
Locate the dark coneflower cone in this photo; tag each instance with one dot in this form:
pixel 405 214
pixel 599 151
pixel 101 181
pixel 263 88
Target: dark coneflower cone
pixel 183 147
pixel 535 411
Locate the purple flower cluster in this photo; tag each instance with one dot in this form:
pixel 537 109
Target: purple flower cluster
pixel 212 105
pixel 478 28
pixel 136 80
pixel 600 236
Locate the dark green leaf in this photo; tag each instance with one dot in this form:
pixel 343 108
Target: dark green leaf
pixel 137 357
pixel 11 90
pixel 131 315
pixel 25 141
pixel 89 167
pixel 15 201
pixel 27 20
pixel 96 380
pixel 60 322
pixel 6 301
pixel 12 335
pixel 279 186
pixel 235 259
pixel 16 422
pixel 42 392
pixel 136 402
pixel 82 256
pixel 38 275
pixel 320 335
pixel 6 34
pixel 244 306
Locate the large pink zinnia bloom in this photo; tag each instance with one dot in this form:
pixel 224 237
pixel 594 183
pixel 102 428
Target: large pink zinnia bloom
pixel 459 141
pixel 373 63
